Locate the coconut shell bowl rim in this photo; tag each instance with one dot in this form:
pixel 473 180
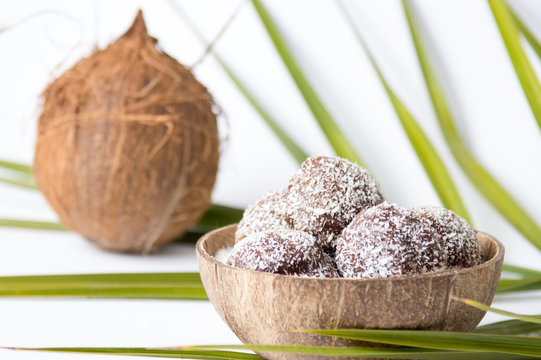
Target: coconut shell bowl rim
pixel 500 251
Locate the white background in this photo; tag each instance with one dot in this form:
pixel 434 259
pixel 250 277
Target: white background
pixel 491 110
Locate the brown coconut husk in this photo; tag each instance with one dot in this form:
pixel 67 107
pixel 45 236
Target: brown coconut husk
pixel 266 308
pixel 127 146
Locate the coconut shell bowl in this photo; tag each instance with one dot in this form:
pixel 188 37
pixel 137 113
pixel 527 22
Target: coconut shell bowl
pixel 264 308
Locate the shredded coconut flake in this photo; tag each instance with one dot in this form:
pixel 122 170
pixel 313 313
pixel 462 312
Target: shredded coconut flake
pixel 458 239
pixel 286 252
pixel 266 214
pixel 387 240
pixel 223 254
pixel 332 204
pixel 326 194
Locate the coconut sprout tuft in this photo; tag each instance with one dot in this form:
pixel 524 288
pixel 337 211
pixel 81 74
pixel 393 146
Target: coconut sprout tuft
pixel 127 147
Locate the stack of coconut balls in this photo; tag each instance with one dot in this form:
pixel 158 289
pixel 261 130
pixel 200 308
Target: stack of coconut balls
pixel 331 220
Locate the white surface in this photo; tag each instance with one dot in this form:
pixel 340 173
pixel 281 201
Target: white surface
pixel 492 112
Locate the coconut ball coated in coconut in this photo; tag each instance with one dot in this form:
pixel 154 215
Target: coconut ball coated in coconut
pixel 268 213
pixel 388 240
pixel 326 194
pixel 283 252
pixel 458 239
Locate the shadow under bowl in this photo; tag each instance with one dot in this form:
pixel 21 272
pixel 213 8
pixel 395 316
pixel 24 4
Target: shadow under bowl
pixel 263 308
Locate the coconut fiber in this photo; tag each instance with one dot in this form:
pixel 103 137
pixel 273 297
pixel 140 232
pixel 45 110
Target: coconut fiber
pixel 127 146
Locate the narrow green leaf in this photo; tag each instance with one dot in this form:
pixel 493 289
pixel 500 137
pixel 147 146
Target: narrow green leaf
pixel 510 327
pixel 478 175
pixel 31 224
pixel 518 345
pixel 24 183
pixel 191 236
pixel 531 283
pixel 374 352
pixel 334 135
pixel 530 37
pixel 216 215
pixel 194 234
pixel 80 284
pixel 530 279
pixel 220 215
pixel 212 352
pixel 19 175
pixel 174 286
pixel 295 150
pixel 476 304
pixel 165 285
pixel 427 154
pixel 181 353
pixel 520 270
pixel 525 72
pixel 21 168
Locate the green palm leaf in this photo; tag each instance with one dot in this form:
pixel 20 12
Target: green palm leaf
pixel 16 181
pixel 510 327
pixel 524 70
pixel 520 270
pixel 478 175
pixel 427 154
pixel 214 352
pixel 85 282
pixel 192 235
pixel 334 135
pixel 376 352
pixel 514 285
pixel 295 150
pixel 182 353
pixel 530 279
pixel 19 175
pixel 21 168
pixel 441 340
pixel 220 215
pixel 476 304
pixel 33 284
pixel 532 40
pixel 216 215
pixel 173 286
pixel 31 224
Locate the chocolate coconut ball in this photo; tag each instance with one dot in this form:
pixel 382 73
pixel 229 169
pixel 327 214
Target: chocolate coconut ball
pixel 387 240
pixel 266 214
pixel 458 239
pixel 284 252
pixel 326 194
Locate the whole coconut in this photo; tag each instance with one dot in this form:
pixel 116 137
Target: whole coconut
pixel 127 145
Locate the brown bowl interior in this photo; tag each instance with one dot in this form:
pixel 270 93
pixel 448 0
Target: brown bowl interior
pixel 263 308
